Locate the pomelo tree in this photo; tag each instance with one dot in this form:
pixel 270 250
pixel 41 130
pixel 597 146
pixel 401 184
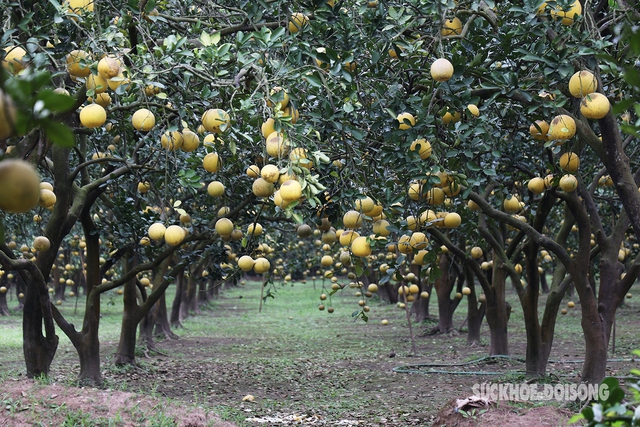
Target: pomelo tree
pixel 215 119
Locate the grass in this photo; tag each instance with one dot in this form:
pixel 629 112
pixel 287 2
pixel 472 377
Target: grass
pixel 298 359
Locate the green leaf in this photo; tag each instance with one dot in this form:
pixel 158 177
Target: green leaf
pixel 313 80
pixel 576 418
pixel 55 102
pixel 58 133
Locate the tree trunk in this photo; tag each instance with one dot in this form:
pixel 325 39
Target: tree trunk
pixel 595 360
pixel 498 312
pixel 177 303
pixel 4 308
pixel 163 327
pixel 421 305
pixel 446 306
pixel 127 345
pixel 475 312
pixel 39 349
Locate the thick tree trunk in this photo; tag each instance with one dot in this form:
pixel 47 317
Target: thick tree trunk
pixel 421 305
pixel 475 312
pixel 595 360
pixel 4 308
pixel 39 349
pixel 163 327
pixel 89 347
pixel 444 286
pixel 498 312
pixel 125 354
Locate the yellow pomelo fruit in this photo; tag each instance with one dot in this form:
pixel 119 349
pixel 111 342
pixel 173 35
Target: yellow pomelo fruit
pixel 268 127
pixel 224 226
pixel 254 229
pixel 536 185
pixel 425 148
pixel 212 162
pixel 567 16
pixel 277 145
pixel 79 7
pixel 13 60
pixel 569 162
pixel 47 198
pixel 595 106
pixel 451 27
pixel 404 246
pixel 41 244
pixel 97 83
pixel 171 140
pixel 376 212
pixel 143 120
pixel 364 205
pixel 360 247
pixel 441 70
pixel 262 188
pixel 93 116
pixel 330 236
pixel 253 171
pixel 190 141
pixel 117 81
pixel 582 83
pixel 245 263
pixel 473 109
pixel 297 22
pixel 46 186
pixel 435 196
pixel 539 129
pixel 210 140
pixel 448 118
pixel 406 120
pixel 380 228
pixel 452 220
pixel 415 191
pixel 473 205
pixel 562 127
pixel 156 231
pixel 278 97
pixel 19 186
pixel 261 265
pixel 78 62
pixel 215 189
pixel 103 99
pixel 299 157
pixel 511 204
pixel 352 219
pixel 270 173
pixel 143 187
pixel 174 235
pixel 476 252
pixel 286 176
pixel 277 199
pixel 347 237
pixel 292 112
pixel 108 67
pixel 326 261
pixel 568 183
pixel 216 120
pixel 290 190
pixel 418 240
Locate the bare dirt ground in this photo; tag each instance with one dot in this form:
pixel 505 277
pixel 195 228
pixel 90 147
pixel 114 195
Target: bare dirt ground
pixel 29 403
pixel 292 366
